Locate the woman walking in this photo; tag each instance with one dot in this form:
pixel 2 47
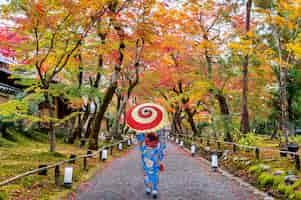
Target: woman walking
pixel 147 119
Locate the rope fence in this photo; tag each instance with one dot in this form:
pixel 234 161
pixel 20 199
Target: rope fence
pixel 57 165
pixel 235 147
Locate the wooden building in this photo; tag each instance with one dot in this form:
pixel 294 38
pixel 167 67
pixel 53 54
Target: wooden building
pixel 8 87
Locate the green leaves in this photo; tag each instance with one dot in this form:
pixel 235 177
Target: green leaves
pixel 72 91
pixel 13 110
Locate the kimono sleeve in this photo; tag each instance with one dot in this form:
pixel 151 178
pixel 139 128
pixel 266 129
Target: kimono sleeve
pixel 140 137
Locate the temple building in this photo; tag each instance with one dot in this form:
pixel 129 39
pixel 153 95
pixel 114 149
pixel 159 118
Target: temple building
pixel 8 87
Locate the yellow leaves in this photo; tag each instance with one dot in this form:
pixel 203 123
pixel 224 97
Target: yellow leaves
pixel 146 31
pixel 198 90
pixel 234 45
pixel 202 116
pixel 290 25
pixel 161 8
pixel 250 34
pixel 283 4
pixel 206 44
pixel 166 59
pixel 288 14
pixel 244 46
pixel 295 48
pixel 278 20
pixel 269 52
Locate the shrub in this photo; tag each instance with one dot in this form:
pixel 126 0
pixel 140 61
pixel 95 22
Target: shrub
pixel 249 139
pixel 3 196
pixel 297 196
pixel 255 169
pixel 277 180
pixel 285 189
pixel 296 185
pixel 266 179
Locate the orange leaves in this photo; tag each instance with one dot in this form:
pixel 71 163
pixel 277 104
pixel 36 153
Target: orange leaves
pixel 76 103
pixel 40 9
pixel 238 21
pixel 44 68
pixel 146 31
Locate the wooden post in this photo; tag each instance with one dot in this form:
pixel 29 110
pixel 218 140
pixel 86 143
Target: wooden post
pixel 111 150
pixel 100 155
pixel 85 164
pixel 218 145
pixel 89 152
pixel 297 161
pixel 57 175
pixel 234 148
pixel 44 171
pixel 257 153
pixel 72 156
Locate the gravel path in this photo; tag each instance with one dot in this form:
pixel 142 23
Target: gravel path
pixel 184 178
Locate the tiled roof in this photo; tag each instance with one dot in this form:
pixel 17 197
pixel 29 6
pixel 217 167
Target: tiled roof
pixel 6 60
pixel 8 89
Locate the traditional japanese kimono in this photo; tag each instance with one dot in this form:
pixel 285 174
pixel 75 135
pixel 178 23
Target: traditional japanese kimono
pixel 152 146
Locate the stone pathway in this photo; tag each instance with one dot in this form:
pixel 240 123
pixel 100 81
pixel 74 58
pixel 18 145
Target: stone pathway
pixel 184 178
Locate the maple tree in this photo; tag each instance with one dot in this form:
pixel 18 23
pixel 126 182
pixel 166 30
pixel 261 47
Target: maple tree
pixel 282 17
pixel 197 58
pixel 54 34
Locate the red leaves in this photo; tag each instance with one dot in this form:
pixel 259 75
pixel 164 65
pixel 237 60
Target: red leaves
pixel 7 52
pixel 8 39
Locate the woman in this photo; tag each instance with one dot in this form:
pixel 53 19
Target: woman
pixel 152 147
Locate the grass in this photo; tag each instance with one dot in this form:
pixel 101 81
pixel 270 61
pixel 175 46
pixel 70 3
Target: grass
pixel 22 153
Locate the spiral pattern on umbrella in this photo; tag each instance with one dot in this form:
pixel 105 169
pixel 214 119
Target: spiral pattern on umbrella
pixel 146 117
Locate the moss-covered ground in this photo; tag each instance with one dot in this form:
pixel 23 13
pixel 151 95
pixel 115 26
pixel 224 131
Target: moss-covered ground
pixel 23 153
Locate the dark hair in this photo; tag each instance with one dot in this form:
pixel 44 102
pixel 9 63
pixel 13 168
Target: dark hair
pixel 152 137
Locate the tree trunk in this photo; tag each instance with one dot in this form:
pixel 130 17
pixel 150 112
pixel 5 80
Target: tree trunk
pixel 290 107
pixel 93 139
pixel 115 129
pixel 51 129
pixel 174 128
pixel 224 109
pixel 89 128
pixel 275 131
pixel 244 124
pixel 191 120
pixel 74 131
pixel 108 124
pixel 284 104
pixel 3 130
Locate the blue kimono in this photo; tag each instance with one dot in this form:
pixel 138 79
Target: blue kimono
pixel 150 159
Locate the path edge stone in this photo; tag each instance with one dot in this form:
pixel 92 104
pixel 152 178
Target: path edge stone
pixel 235 178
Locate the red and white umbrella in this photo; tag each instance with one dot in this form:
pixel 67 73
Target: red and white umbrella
pixel 147 117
